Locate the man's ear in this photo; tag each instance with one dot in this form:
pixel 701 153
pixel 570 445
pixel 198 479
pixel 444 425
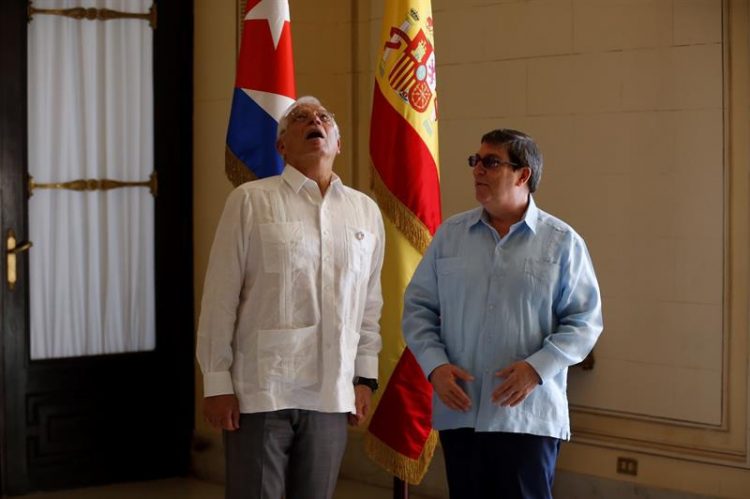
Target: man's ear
pixel 280 146
pixel 338 146
pixel 525 176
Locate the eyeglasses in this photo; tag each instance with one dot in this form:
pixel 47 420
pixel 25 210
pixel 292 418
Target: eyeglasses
pixel 489 162
pixel 304 115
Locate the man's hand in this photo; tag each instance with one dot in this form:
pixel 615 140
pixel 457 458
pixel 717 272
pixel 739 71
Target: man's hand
pixel 222 412
pixel 362 401
pixel 520 381
pixel 443 379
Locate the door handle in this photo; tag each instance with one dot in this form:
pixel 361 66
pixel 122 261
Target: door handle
pixel 13 248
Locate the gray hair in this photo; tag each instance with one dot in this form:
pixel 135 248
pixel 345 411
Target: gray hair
pixel 522 150
pixel 306 99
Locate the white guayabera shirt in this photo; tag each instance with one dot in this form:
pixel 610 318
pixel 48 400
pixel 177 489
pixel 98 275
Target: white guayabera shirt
pixel 292 297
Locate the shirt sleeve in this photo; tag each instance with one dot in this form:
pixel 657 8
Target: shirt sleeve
pixel 578 311
pixel 421 318
pixel 221 295
pixel 370 342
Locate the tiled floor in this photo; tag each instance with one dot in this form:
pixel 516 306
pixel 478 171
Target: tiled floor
pixel 186 488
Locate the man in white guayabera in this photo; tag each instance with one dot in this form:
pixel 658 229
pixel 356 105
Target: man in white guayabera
pixel 288 337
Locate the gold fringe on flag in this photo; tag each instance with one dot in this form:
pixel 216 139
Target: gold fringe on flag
pixel 408 223
pixel 237 172
pixel 409 470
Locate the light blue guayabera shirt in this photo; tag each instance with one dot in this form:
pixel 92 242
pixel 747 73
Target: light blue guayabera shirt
pixel 482 302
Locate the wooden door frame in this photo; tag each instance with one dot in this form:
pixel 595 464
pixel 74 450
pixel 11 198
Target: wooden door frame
pixel 173 97
pixel 13 214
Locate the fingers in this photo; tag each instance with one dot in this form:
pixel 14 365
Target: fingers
pixel 455 399
pixel 356 419
pixel 508 388
pixel 520 379
pixel 363 411
pixel 443 380
pixel 211 417
pixel 217 423
pixel 461 374
pixel 229 422
pixel 516 398
pixel 362 400
pixel 359 417
pixel 222 412
pixel 510 396
pixel 505 372
pixel 360 412
pixel 235 420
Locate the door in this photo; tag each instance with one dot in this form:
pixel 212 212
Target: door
pixel 95 419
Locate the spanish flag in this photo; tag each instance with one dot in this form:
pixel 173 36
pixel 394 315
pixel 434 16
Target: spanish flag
pixel 264 89
pixel 406 182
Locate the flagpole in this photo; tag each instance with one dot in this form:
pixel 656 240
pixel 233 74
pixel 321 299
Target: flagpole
pixel 400 489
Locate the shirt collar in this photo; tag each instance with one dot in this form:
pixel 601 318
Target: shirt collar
pixel 296 180
pixel 530 216
pixel 478 215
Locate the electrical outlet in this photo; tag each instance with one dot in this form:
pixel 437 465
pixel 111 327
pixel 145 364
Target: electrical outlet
pixel 627 466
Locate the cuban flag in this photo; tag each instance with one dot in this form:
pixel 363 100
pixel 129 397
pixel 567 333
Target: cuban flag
pixel 264 89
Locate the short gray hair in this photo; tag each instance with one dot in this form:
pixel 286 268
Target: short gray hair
pixel 306 99
pixel 522 150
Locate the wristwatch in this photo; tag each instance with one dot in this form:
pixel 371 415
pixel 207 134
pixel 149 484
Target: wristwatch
pixel 369 382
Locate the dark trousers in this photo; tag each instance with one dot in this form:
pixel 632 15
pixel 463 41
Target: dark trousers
pixel 495 465
pixel 291 453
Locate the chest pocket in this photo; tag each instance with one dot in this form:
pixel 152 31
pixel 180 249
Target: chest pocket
pixel 543 278
pixel 280 241
pixel 542 271
pixel 360 245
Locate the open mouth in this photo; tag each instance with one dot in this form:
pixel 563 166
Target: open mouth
pixel 314 134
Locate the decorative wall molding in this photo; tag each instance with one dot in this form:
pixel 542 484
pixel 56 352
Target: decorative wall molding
pixel 728 442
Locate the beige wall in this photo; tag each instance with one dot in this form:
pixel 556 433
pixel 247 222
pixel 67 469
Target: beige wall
pixel 640 107
pixel 213 73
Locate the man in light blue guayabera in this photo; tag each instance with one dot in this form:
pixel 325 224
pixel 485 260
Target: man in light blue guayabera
pixel 503 302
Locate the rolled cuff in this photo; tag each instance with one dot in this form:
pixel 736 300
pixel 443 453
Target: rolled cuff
pixel 218 383
pixel 366 366
pixel 545 364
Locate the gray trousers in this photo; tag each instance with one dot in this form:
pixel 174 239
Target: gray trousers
pixel 292 453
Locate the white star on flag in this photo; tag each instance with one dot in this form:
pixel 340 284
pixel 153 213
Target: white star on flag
pixel 273 104
pixel 275 12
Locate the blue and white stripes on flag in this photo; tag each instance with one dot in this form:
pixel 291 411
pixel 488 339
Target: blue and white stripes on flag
pixel 264 89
